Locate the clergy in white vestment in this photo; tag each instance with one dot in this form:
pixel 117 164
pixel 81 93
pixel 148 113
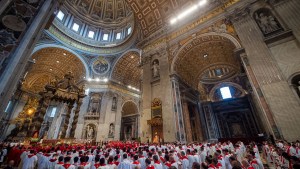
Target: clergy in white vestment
pixel 142 160
pixel 67 163
pixel 203 154
pixel 255 163
pixel 52 162
pixel 60 163
pixel 226 159
pixel 157 164
pixel 29 161
pixel 184 160
pixel 173 162
pixel 136 164
pixel 125 164
pixel 84 162
pixel 197 156
pixel 190 158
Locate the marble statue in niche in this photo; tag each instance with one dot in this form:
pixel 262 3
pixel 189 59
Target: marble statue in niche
pixel 155 68
pixel 90 131
pixel 94 106
pixel 111 130
pixel 114 104
pixel 266 21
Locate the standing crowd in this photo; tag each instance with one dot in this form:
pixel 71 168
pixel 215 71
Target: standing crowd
pixel 132 155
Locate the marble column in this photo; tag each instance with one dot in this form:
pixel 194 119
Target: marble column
pixel 198 124
pixel 118 118
pixel 211 123
pixel 179 121
pixel 19 59
pixel 282 102
pixel 146 105
pixel 187 122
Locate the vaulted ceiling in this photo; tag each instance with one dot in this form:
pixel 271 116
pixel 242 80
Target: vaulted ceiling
pixel 129 108
pixel 207 59
pixel 154 14
pixel 150 14
pixel 50 64
pixel 100 11
pixel 127 70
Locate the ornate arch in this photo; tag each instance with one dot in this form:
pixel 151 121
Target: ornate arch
pixel 39 47
pixel 203 39
pixel 130 106
pixel 202 57
pixel 51 64
pixel 126 69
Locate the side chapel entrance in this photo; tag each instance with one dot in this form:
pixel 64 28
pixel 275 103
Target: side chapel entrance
pixel 156 121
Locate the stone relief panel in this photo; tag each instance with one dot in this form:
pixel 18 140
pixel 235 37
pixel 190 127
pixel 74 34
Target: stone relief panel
pixel 267 22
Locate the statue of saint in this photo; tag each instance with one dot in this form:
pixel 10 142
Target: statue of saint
pixel 114 104
pixel 90 132
pixel 267 23
pixel 156 138
pixel 111 129
pixel 155 68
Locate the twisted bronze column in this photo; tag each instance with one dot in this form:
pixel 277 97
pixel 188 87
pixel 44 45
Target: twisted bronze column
pixel 67 120
pixel 75 118
pixel 38 117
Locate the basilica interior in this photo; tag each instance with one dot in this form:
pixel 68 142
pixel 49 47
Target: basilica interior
pixel 149 70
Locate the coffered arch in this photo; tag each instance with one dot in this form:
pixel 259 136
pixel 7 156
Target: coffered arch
pixel 51 64
pixel 208 58
pixel 42 46
pixel 126 71
pixel 129 108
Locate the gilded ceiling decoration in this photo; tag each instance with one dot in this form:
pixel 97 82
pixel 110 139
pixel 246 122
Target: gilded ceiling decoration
pixel 52 64
pixel 103 11
pixel 127 70
pixel 154 14
pixel 129 108
pixel 207 61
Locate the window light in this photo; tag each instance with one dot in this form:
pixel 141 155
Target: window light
pixel 53 111
pixel 129 30
pixel 91 34
pixel 105 36
pixel 60 15
pixel 225 91
pixel 75 27
pixel 118 36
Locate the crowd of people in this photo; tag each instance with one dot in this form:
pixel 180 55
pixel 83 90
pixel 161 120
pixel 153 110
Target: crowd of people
pixel 133 155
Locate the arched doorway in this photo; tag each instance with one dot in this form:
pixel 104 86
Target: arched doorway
pixel 129 122
pixel 206 66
